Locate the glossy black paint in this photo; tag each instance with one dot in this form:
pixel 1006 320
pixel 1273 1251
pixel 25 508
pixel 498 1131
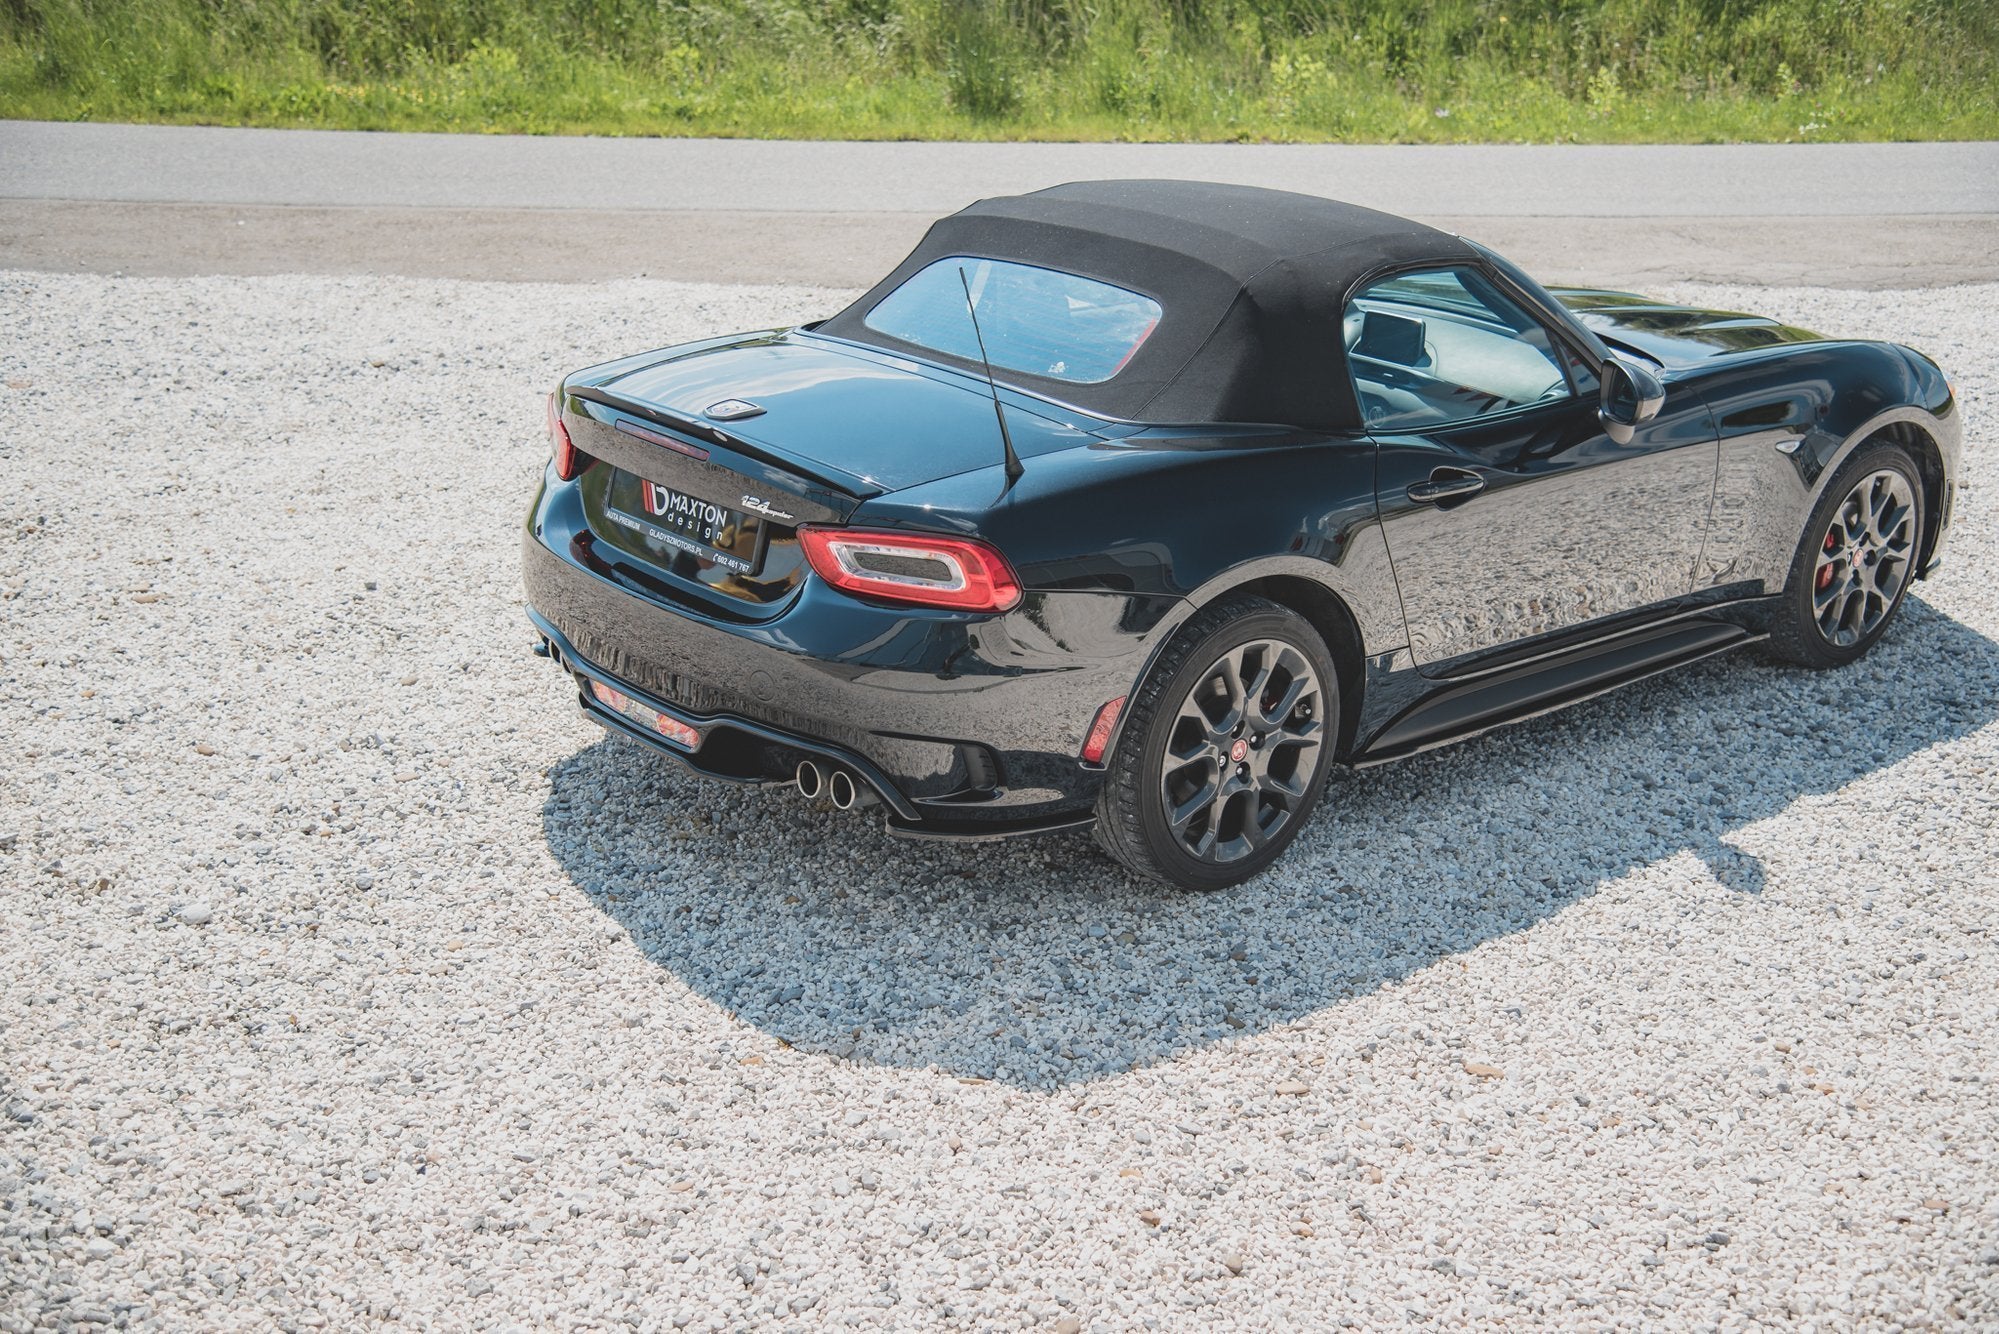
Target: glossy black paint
pixel 889 421
pixel 1580 564
pixel 1569 527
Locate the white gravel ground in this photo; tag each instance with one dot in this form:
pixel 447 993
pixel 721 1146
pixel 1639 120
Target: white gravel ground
pixel 347 976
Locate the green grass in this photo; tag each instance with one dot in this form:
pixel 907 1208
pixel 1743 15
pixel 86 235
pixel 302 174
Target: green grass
pixel 1363 71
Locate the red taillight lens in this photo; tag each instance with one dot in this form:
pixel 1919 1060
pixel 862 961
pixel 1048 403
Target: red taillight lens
pixel 952 572
pixel 1100 731
pixel 569 460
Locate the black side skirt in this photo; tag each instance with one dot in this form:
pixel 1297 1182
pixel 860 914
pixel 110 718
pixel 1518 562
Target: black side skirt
pixel 1463 709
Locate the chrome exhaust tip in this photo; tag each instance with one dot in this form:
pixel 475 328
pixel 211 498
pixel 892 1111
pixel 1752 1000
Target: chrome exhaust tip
pixel 811 779
pixel 846 793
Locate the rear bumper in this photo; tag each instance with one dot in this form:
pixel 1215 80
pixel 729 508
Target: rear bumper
pixel 965 726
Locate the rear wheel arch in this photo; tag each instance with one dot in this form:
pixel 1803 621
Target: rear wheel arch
pixel 1329 614
pixel 1324 608
pixel 1138 823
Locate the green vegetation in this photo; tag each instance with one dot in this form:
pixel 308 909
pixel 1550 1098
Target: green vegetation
pixel 1344 70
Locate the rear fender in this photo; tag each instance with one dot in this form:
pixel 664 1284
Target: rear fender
pixel 1173 521
pixel 1365 581
pixel 1353 606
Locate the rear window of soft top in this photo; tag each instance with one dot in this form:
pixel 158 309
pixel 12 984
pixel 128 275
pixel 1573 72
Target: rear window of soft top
pixel 1040 322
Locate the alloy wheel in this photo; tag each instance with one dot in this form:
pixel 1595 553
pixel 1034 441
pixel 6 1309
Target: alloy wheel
pixel 1242 752
pixel 1865 559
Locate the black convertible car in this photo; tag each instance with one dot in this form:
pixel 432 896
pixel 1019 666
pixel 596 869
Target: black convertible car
pixel 1139 504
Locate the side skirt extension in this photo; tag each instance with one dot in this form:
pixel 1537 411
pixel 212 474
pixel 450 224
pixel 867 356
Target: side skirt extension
pixel 1463 710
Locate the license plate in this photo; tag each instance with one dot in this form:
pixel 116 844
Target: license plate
pixel 618 702
pixel 675 519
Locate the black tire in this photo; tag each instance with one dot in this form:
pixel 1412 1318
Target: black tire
pixel 1842 589
pixel 1251 786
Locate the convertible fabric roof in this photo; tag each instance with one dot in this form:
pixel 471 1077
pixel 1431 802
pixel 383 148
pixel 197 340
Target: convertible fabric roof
pixel 1252 284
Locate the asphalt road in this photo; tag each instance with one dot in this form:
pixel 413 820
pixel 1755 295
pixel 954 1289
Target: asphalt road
pixel 173 199
pixel 185 164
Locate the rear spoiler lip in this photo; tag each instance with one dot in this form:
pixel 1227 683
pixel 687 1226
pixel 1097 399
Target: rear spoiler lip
pixel 848 485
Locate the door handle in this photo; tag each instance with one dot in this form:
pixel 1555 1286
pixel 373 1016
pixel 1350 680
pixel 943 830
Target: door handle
pixel 1446 484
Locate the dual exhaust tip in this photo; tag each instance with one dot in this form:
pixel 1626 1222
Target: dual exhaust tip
pixel 839 786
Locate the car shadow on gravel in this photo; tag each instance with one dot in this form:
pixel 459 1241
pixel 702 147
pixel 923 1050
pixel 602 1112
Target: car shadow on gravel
pixel 1038 963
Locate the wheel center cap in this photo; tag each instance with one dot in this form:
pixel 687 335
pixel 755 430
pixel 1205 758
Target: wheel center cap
pixel 1239 751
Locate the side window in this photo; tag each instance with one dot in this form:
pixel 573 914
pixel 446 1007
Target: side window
pixel 1446 345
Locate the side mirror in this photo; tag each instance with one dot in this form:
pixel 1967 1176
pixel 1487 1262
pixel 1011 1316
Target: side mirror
pixel 1630 397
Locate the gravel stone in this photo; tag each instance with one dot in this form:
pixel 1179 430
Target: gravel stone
pixel 551 1035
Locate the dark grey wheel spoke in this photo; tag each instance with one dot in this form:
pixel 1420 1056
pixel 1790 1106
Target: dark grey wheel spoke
pixel 1863 562
pixel 1296 734
pixel 1243 751
pixel 1254 831
pixel 1272 707
pixel 1254 670
pixel 1291 788
pixel 1205 800
pixel 1216 705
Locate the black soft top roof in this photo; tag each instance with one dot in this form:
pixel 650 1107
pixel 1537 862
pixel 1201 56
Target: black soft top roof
pixel 1251 284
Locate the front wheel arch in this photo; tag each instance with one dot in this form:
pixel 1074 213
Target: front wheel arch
pixel 1914 429
pixel 1796 632
pixel 1928 457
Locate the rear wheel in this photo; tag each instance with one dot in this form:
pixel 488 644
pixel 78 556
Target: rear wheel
pixel 1856 561
pixel 1225 748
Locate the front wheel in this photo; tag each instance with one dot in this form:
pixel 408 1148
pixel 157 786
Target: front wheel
pixel 1225 750
pixel 1856 561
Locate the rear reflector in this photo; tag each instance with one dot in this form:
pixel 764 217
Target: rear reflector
pixel 679 733
pixel 950 572
pixel 569 460
pixel 1100 731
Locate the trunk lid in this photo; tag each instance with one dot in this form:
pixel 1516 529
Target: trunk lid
pixel 864 421
pixel 710 456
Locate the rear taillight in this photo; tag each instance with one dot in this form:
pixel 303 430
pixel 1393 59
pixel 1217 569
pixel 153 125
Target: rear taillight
pixel 569 460
pixel 952 572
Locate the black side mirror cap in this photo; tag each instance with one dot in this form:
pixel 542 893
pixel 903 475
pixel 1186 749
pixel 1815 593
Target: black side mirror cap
pixel 1631 395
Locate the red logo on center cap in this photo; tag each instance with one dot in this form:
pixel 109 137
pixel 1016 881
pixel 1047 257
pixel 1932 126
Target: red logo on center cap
pixel 1239 751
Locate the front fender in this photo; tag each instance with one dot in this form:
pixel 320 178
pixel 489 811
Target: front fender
pixel 1787 421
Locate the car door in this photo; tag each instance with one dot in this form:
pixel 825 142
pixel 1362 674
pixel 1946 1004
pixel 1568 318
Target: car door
pixel 1510 513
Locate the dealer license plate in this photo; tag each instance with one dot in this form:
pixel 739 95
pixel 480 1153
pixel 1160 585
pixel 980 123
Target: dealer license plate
pixel 675 519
